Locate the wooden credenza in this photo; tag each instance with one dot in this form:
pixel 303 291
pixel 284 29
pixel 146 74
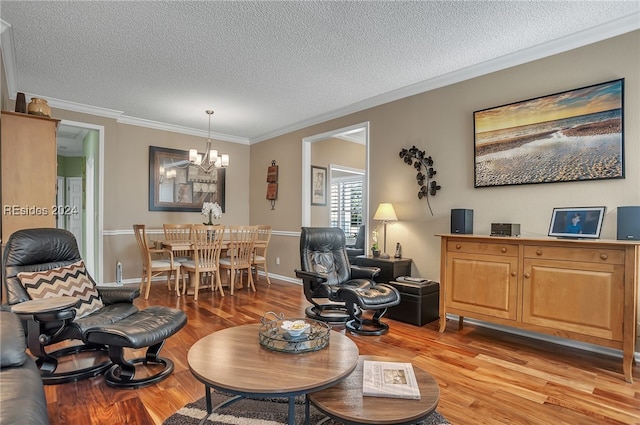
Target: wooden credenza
pixel 28 173
pixel 586 290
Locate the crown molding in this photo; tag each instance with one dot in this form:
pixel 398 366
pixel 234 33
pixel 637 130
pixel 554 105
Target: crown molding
pixel 592 35
pixel 573 41
pixel 124 119
pixel 79 107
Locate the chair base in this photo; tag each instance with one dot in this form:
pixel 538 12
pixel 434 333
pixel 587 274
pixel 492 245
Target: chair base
pixel 49 363
pixel 367 327
pixel 122 377
pixel 328 313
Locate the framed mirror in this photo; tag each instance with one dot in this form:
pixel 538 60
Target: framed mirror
pixel 175 185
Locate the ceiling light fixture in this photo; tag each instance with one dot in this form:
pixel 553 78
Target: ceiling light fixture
pixel 210 161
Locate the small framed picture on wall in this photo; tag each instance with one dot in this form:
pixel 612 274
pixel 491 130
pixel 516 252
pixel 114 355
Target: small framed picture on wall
pixel 318 185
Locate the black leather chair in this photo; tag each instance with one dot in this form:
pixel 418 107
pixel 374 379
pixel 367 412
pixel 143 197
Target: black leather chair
pixel 358 247
pixel 113 326
pixel 338 291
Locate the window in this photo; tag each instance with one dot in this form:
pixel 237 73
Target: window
pixel 346 201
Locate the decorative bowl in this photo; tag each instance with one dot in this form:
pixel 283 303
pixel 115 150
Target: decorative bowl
pixel 296 327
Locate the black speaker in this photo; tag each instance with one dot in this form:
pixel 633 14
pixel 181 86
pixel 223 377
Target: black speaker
pixel 629 223
pixel 462 221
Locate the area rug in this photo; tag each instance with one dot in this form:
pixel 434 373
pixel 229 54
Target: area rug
pixel 257 412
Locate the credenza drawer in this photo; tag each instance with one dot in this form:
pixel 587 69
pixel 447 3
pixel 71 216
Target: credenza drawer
pixel 591 255
pixel 483 248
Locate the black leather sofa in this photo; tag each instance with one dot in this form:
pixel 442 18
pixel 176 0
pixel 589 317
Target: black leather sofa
pixel 22 399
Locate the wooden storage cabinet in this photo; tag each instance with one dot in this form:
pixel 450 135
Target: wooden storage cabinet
pixel 29 170
pixel 483 278
pixel 580 297
pixel 579 289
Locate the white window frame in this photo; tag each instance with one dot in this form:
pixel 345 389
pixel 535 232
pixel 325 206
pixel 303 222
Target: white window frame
pixel 337 176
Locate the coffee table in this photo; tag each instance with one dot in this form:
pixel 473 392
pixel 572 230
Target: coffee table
pixel 232 360
pixel 345 403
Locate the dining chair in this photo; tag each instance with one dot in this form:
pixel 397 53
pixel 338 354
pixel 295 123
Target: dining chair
pixel 207 243
pixel 259 258
pixel 240 250
pixel 154 267
pixel 179 232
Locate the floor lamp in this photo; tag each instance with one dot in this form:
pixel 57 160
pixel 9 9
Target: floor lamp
pixel 385 213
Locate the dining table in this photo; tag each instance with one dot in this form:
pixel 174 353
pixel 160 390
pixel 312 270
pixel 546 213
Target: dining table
pixel 187 245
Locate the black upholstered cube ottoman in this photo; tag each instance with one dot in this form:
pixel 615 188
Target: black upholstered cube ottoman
pixel 419 302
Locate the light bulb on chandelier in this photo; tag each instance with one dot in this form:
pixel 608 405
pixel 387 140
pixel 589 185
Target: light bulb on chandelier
pixel 210 161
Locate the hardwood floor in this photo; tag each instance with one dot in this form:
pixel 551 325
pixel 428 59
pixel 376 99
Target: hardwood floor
pixel 485 376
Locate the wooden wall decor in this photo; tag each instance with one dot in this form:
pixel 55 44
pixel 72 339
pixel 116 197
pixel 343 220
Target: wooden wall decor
pixel 272 184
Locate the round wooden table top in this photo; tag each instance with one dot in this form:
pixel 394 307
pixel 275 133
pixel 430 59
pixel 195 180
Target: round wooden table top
pixel 344 401
pixel 44 305
pixel 232 359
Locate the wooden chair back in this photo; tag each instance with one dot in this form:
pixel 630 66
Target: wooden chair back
pixel 178 232
pixel 240 253
pixel 152 268
pixel 241 241
pixel 260 251
pixel 207 244
pixel 262 240
pixel 141 237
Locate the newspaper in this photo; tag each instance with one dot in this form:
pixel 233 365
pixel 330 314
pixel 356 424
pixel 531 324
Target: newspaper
pixel 389 379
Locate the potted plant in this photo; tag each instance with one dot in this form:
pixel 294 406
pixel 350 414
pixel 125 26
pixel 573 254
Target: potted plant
pixel 375 249
pixel 213 210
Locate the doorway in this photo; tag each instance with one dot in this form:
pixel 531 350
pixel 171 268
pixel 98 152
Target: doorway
pixel 80 148
pixel 359 134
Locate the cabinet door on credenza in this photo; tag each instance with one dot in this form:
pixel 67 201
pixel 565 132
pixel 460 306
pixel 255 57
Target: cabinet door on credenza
pixel 582 297
pixel 483 284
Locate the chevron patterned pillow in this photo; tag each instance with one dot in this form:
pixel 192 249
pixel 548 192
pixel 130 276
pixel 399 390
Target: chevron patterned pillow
pixel 71 281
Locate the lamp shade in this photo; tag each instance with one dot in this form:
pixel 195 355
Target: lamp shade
pixel 385 212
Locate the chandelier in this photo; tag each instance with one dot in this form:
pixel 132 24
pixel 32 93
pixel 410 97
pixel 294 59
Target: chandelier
pixel 210 161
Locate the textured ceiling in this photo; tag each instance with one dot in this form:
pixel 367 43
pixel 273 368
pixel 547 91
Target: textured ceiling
pixel 270 67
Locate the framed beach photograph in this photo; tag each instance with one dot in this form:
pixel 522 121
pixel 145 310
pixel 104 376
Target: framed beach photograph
pixel 318 185
pixel 577 222
pixel 575 135
pixel 175 185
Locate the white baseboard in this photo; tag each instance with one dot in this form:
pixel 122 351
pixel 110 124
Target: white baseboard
pixel 158 278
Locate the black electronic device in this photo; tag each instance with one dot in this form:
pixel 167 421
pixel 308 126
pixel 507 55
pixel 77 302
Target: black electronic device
pixel 629 223
pixel 462 221
pixel 505 229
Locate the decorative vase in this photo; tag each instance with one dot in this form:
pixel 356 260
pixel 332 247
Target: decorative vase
pixel 40 107
pixel 376 253
pixel 210 223
pixel 21 103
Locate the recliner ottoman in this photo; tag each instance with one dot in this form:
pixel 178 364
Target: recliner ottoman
pixel 146 328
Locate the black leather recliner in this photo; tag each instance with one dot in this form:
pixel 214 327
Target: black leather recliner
pixel 338 291
pixel 118 324
pixel 358 247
